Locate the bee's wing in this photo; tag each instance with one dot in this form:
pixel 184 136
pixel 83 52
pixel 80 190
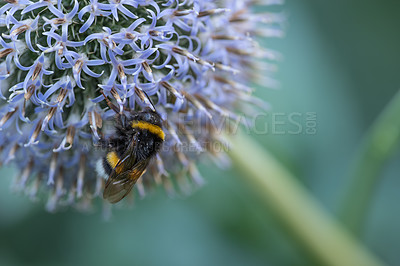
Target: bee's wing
pixel 119 185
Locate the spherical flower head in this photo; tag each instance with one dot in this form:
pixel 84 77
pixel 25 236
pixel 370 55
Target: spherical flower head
pixel 64 63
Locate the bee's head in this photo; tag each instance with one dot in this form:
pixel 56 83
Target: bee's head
pixel 148 116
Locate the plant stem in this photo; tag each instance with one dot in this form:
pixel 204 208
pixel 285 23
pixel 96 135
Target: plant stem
pixel 378 145
pixel 304 216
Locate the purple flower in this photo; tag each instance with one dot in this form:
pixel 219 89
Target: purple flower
pixel 19 27
pixel 153 32
pixel 191 61
pixel 107 41
pixel 95 11
pixel 118 5
pixel 60 48
pixel 13 6
pixel 129 36
pixel 143 63
pixel 81 62
pixel 36 72
pixel 11 51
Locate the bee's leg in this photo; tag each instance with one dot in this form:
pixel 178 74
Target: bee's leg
pixel 110 104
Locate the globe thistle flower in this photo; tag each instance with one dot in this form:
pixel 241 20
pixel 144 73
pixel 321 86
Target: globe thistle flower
pixel 192 59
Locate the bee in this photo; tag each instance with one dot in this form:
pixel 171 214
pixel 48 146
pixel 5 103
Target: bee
pixel 138 138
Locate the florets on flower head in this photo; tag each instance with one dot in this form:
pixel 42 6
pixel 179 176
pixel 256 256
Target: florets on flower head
pixel 192 59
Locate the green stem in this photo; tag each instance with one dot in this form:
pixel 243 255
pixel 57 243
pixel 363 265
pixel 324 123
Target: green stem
pixel 317 230
pixel 379 144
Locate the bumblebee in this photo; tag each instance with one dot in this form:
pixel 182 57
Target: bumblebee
pixel 138 138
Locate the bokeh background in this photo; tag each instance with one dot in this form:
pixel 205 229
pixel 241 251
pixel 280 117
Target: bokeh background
pixel 341 61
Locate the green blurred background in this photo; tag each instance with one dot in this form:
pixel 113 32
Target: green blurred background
pixel 341 62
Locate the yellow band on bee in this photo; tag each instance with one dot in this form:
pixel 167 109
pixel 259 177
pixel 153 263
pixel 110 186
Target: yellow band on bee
pixel 112 159
pixel 156 130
